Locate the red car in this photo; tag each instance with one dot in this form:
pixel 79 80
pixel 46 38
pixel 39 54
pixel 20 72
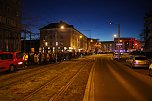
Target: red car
pixel 10 61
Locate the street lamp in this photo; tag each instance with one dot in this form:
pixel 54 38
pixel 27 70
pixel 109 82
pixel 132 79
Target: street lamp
pixel 80 36
pixel 118 29
pixel 118 39
pixel 80 40
pixel 56 43
pixel 62 27
pixel 114 35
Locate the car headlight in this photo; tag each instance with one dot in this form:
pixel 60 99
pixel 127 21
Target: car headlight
pixel 20 63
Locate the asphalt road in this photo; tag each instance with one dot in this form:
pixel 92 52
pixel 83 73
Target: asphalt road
pixel 113 81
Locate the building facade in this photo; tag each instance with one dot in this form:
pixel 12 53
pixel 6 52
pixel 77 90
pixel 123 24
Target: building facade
pixel 62 37
pixel 127 45
pixel 10 25
pixel 93 45
pixel 107 46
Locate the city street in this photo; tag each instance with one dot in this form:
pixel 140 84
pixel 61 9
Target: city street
pixel 90 78
pixel 114 81
pixel 75 50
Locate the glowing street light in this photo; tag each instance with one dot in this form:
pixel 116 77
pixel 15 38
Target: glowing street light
pixel 118 39
pixel 62 27
pixel 115 35
pixel 80 36
pixel 118 29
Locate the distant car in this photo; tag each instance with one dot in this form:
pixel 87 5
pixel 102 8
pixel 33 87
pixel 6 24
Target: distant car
pixel 138 61
pixel 10 61
pixel 116 56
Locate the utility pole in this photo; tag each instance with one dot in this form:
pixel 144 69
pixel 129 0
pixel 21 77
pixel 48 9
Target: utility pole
pixel 118 41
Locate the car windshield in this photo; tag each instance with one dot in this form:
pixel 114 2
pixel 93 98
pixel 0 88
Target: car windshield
pixel 140 58
pixel 19 55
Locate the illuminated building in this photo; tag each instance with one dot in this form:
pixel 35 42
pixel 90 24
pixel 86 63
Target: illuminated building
pixel 127 45
pixel 62 36
pixel 107 46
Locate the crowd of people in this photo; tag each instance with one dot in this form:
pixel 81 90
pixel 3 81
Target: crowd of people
pixel 44 58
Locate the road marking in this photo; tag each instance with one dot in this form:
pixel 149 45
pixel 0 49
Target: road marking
pixel 126 85
pixel 89 91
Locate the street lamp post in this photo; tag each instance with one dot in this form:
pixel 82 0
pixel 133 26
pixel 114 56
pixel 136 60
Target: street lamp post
pixel 118 40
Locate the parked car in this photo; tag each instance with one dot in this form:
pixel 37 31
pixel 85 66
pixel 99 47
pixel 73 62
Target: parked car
pixel 138 61
pixel 10 61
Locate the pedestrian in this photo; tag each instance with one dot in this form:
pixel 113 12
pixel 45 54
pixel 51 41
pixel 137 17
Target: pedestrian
pixel 32 58
pixel 25 58
pixel 29 59
pixel 39 56
pixel 47 57
pixel 35 58
pixel 42 58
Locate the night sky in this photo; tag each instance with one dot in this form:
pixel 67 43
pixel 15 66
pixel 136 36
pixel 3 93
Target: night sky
pixel 91 17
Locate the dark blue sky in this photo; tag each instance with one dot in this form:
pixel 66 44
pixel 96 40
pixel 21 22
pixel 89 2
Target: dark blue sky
pixel 91 17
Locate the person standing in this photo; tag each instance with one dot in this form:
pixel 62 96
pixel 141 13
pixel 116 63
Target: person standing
pixel 39 56
pixel 25 58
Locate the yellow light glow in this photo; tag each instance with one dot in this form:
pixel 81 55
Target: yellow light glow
pixel 62 27
pixel 80 36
